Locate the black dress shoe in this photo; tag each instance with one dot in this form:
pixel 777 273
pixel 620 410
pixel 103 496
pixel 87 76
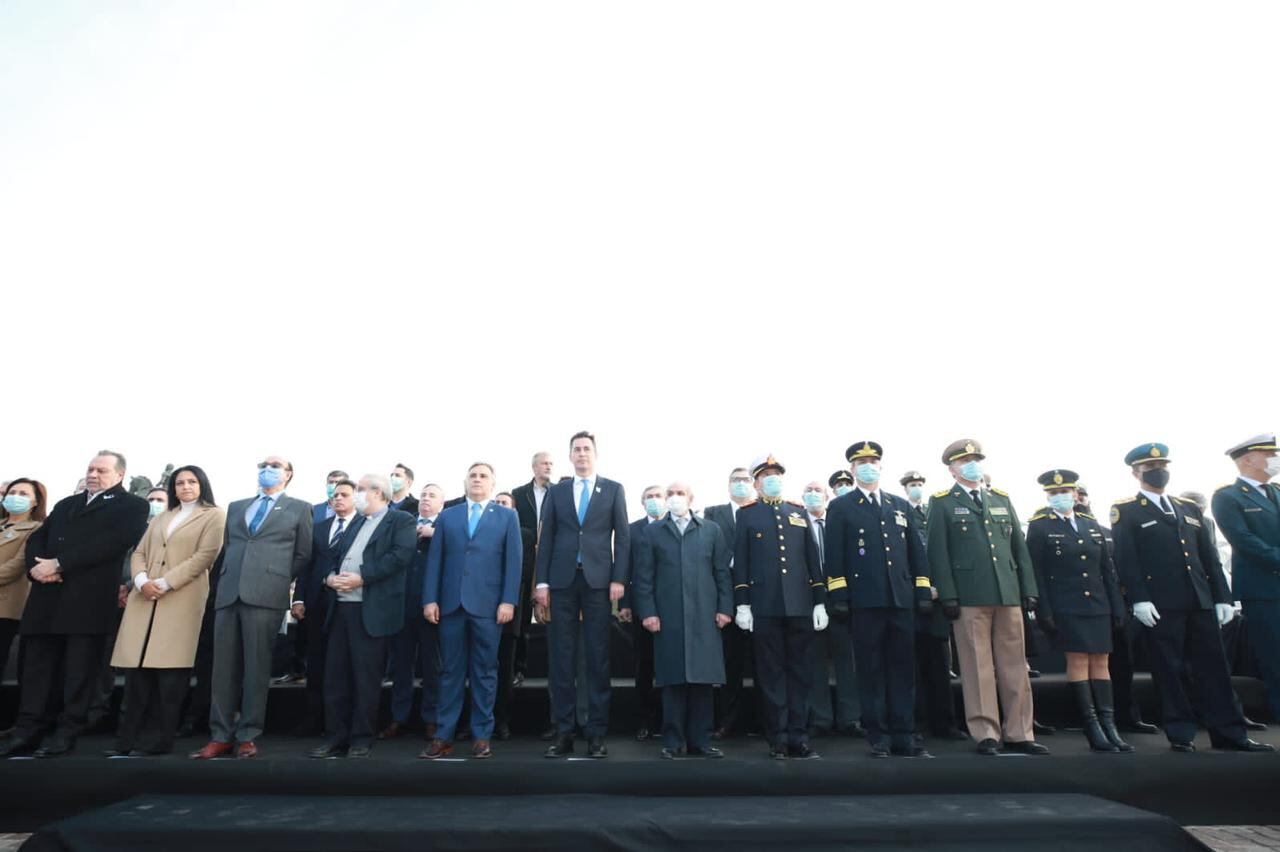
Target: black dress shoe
pixel 326 751
pixel 879 750
pixel 560 748
pixel 642 734
pixel 54 747
pixel 719 734
pixel 1245 744
pixel 1033 673
pixel 667 754
pixel 1139 727
pixel 357 752
pixel 116 752
pixel 988 747
pixel 710 752
pixel 1027 747
pixel 549 734
pixel 596 747
pixel 1042 730
pixel 954 734
pixel 1181 745
pixel 1254 726
pixel 855 730
pixel 802 752
pixel 778 752
pixel 502 732
pixel 910 751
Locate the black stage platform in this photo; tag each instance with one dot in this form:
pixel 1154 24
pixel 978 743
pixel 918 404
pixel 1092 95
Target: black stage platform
pixel 1016 823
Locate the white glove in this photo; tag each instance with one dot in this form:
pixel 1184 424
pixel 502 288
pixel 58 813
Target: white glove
pixel 820 620
pixel 1225 612
pixel 1145 612
pixel 742 617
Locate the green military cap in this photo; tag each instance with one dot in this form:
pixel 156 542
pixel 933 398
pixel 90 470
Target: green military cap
pixel 961 448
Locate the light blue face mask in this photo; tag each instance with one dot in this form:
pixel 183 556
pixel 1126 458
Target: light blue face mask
pixel 972 471
pixel 330 488
pixel 867 474
pixel 813 500
pixel 156 507
pixel 397 482
pixel 653 507
pixel 270 477
pixel 842 490
pixel 915 492
pixel 772 486
pixel 740 490
pixel 1062 503
pixel 17 504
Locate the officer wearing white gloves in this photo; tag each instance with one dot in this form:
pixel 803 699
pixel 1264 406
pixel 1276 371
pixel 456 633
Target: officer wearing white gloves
pixel 780 593
pixel 1169 566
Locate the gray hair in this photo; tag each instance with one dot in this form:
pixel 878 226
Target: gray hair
pixel 120 462
pixel 380 483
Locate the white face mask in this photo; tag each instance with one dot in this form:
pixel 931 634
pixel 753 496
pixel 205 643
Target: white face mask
pixel 678 505
pixel 361 500
pixel 1273 466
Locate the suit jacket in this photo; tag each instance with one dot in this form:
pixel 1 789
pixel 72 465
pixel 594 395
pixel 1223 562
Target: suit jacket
pixel 1251 523
pixel 723 515
pixel 320 513
pixel 875 554
pixel 417 573
pixel 310 590
pixel 258 569
pixel 89 542
pixel 1169 561
pixel 527 510
pixel 603 539
pixel 978 556
pixel 386 558
pixel 527 507
pixel 636 533
pixel 476 573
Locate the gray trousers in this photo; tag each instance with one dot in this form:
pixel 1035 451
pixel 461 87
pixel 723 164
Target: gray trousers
pixel 243 639
pixel 833 649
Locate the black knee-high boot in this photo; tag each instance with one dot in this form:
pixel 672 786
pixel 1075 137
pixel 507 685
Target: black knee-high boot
pixel 1093 732
pixel 1107 713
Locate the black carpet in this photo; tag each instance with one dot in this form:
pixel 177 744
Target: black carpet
pixel 584 822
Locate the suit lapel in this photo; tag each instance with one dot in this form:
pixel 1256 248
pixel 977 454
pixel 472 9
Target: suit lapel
pixel 480 523
pixel 597 491
pixel 110 495
pixel 199 510
pixel 1252 494
pixel 967 499
pixel 345 540
pixel 1155 511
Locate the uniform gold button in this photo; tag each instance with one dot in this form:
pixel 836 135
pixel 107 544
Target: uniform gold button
pixel 988 523
pixel 782 547
pixel 1080 541
pixel 784 559
pixel 886 550
pixel 784 570
pixel 1086 594
pixel 1085 574
pixel 890 563
pixel 1188 555
pixel 1183 540
pixel 1083 556
pixel 993 547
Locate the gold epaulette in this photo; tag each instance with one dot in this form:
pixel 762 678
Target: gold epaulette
pixel 1087 516
pixel 1039 517
pixel 923 583
pixel 943 493
pixel 1001 493
pixel 836 583
pixel 1186 501
pixel 1123 500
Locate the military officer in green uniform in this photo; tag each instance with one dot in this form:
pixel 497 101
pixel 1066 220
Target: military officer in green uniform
pixel 979 562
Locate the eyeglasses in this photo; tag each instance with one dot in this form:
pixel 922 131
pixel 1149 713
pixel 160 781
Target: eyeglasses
pixel 264 465
pixel 740 479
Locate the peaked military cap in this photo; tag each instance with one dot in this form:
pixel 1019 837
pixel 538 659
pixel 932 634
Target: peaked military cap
pixel 1265 441
pixel 764 463
pixel 1147 452
pixel 911 476
pixel 840 476
pixel 1061 478
pixel 963 447
pixel 863 450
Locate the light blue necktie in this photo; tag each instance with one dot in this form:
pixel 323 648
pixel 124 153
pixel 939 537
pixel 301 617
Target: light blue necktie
pixel 583 501
pixel 473 521
pixel 259 516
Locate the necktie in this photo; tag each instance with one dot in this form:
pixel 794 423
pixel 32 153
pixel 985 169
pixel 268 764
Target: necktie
pixel 875 501
pixel 822 540
pixel 1164 504
pixel 977 497
pixel 259 516
pixel 682 524
pixel 583 499
pixel 337 531
pixel 474 520
pixel 1271 493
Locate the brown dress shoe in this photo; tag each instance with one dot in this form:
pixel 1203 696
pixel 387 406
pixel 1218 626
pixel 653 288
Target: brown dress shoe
pixel 437 749
pixel 211 750
pixel 391 731
pixel 246 751
pixel 431 731
pixel 480 749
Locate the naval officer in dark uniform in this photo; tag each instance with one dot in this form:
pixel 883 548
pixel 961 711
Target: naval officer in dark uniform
pixel 877 572
pixel 1080 602
pixel 780 596
pixel 1171 570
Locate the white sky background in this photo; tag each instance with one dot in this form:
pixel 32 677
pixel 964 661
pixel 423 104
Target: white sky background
pixel 363 233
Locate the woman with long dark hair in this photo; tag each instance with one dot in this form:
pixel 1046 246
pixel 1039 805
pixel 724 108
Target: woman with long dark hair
pixel 161 626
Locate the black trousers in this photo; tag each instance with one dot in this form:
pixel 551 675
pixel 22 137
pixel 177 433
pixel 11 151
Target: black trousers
pixel 506 674
pixel 1191 639
pixel 734 710
pixel 1121 665
pixel 57 667
pixel 152 708
pixel 935 703
pixel 686 716
pixel 783 645
pixel 884 649
pixel 8 630
pixel 353 670
pixel 317 641
pixel 562 637
pixel 649 703
pixel 200 696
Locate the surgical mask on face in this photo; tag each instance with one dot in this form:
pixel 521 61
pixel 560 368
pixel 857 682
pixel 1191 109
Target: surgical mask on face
pixel 397 482
pixel 17 504
pixel 270 477
pixel 740 490
pixel 867 474
pixel 156 507
pixel 772 486
pixel 678 504
pixel 1156 477
pixel 842 490
pixel 362 500
pixel 1062 503
pixel 813 500
pixel 653 507
pixel 329 488
pixel 1273 466
pixel 915 492
pixel 971 471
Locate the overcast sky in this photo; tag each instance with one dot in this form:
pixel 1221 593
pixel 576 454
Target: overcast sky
pixel 362 233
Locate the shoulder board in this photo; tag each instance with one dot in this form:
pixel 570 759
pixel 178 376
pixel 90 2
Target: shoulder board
pixel 943 493
pixel 796 503
pixel 1186 502
pixel 1039 517
pixel 1001 493
pixel 1221 487
pixel 1086 516
pixel 1123 500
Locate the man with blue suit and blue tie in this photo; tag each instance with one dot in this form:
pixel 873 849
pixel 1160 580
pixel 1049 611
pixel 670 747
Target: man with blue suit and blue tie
pixel 473 577
pixel 584 556
pixel 1248 514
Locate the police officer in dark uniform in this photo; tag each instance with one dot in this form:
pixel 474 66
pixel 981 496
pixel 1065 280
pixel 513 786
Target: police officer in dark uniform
pixel 840 482
pixel 780 595
pixel 876 567
pixel 1079 603
pixel 1172 573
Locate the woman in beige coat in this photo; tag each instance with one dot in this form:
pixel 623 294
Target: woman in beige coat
pixel 161 626
pixel 22 514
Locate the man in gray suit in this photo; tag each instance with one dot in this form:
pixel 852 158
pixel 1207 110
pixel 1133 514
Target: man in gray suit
pixel 267 543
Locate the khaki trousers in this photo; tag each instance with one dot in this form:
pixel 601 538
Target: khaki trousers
pixel 993 672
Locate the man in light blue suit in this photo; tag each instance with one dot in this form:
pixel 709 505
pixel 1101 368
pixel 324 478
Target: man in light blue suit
pixel 470 589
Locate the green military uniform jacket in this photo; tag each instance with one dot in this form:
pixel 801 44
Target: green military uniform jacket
pixel 978 556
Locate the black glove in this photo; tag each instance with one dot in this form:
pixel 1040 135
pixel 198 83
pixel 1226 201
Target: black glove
pixel 924 606
pixel 1047 624
pixel 951 609
pixel 1030 603
pixel 838 610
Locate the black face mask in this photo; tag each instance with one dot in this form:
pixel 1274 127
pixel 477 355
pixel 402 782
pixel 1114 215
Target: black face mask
pixel 1080 507
pixel 1156 477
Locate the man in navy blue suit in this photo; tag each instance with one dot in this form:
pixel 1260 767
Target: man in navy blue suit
pixel 473 577
pixel 584 558
pixel 1248 513
pixel 322 512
